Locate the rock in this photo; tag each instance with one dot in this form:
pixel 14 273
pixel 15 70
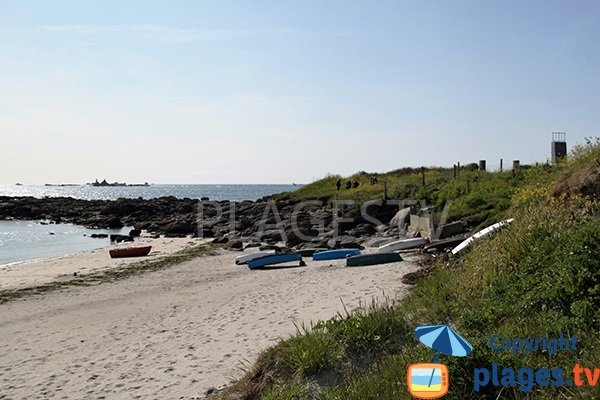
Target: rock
pixel 121 207
pixel 272 235
pixel 206 232
pixel 299 235
pixel 220 240
pixel 151 227
pixel 345 226
pixel 319 242
pixel 401 218
pixel 377 241
pixel 99 235
pixel 112 222
pixel 452 229
pixel 273 247
pixel 350 242
pixel 344 242
pixel 135 232
pixel 235 244
pixel 178 229
pixel 362 230
pixel 121 238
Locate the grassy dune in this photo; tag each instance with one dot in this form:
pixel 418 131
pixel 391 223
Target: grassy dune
pixel 478 197
pixel 538 277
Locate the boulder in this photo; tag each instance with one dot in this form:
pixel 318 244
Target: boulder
pixel 319 242
pixel 178 229
pixel 135 232
pixel 207 232
pixel 401 218
pixel 112 222
pixel 271 235
pixel 350 242
pixel 235 244
pixel 299 235
pixel 220 240
pixel 274 247
pixel 452 229
pixel 362 230
pixel 252 245
pixel 121 238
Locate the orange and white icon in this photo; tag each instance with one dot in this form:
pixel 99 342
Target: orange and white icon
pixel 427 380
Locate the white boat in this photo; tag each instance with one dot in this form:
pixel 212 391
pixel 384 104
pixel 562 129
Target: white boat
pixel 243 259
pixel 402 244
pixel 482 233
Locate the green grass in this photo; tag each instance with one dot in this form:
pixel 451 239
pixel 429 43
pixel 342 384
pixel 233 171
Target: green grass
pixel 538 277
pixel 478 197
pixel 109 275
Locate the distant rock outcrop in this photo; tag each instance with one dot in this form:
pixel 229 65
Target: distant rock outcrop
pixel 295 225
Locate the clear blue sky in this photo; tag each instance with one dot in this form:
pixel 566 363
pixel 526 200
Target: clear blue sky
pixel 288 91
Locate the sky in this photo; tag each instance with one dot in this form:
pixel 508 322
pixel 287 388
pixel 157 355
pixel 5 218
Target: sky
pixel 288 91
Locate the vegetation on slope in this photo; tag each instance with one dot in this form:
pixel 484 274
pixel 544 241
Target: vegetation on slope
pixel 538 278
pixel 478 197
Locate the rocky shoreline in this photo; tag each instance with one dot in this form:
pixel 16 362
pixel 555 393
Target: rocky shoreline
pixel 263 222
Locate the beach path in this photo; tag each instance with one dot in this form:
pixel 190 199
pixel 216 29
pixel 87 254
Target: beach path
pixel 172 333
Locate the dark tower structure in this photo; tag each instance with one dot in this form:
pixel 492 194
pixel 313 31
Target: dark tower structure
pixel 559 146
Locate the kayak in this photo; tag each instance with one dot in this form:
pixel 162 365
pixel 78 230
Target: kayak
pixel 130 252
pixel 274 259
pixel 443 244
pixel 402 244
pixel 335 254
pixel 252 256
pixel 482 233
pixel 372 259
pixel 310 252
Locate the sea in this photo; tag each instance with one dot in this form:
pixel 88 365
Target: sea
pixel 22 241
pixel 88 192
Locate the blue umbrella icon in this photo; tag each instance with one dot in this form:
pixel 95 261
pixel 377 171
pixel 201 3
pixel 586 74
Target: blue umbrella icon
pixel 444 340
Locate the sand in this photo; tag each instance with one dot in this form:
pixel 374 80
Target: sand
pixel 37 273
pixel 173 333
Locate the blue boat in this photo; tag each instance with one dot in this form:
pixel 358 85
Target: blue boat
pixel 273 259
pixel 337 254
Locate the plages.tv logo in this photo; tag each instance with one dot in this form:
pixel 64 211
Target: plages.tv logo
pixel 431 380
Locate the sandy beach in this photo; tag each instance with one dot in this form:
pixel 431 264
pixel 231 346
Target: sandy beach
pixel 39 272
pixel 172 333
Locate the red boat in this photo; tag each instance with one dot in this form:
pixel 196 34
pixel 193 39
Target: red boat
pixel 130 252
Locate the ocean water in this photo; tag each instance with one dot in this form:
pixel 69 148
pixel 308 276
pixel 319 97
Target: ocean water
pixel 214 192
pixel 31 240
